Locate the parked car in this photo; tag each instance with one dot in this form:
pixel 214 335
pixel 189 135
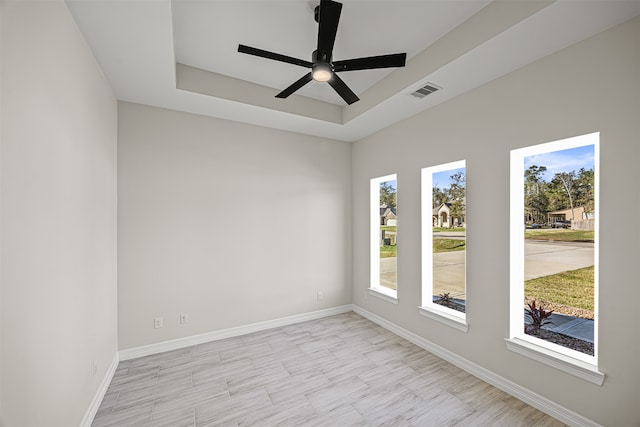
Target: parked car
pixel 561 223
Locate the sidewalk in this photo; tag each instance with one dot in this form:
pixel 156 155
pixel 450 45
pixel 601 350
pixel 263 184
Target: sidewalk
pixel 575 327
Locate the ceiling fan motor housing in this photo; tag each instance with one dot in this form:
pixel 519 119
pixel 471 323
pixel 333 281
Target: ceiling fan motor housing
pixel 315 58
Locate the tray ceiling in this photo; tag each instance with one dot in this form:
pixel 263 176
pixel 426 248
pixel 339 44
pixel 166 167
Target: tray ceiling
pixel 182 54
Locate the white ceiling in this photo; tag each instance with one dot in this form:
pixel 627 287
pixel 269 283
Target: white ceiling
pixel 207 35
pixel 457 45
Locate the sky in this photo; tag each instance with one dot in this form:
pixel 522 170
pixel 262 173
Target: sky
pixel 392 183
pixel 568 160
pixel 442 179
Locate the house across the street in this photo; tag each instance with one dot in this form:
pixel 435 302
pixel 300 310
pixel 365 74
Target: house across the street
pixel 442 217
pixel 578 217
pixel 388 216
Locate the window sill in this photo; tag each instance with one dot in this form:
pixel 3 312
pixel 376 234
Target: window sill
pixel 575 367
pixel 448 319
pixel 385 294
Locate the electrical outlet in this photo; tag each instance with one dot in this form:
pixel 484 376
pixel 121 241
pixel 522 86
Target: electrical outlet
pixel 158 323
pixel 320 295
pixel 184 318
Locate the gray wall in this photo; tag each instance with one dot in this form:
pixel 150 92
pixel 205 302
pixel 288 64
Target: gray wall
pixel 229 223
pixel 58 251
pixel 1 62
pixel 592 86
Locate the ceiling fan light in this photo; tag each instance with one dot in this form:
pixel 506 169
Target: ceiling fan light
pixel 321 73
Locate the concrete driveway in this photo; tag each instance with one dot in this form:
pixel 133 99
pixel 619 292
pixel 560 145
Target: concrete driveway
pixel 542 258
pixel 388 269
pixel 449 273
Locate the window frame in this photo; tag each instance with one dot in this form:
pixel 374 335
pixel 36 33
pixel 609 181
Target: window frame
pixel 375 288
pixel 428 308
pixel 565 359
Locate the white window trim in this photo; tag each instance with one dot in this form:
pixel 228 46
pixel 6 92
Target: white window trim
pixel 447 316
pixel 374 228
pixel 575 367
pixel 384 293
pixel 573 362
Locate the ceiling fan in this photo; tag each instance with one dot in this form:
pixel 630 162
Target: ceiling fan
pixel 323 68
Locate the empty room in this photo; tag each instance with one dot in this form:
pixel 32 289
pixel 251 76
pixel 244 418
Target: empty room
pixel 319 213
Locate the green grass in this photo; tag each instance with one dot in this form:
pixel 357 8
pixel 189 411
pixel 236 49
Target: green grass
pixel 560 235
pixel 439 245
pixel 457 229
pixel 388 227
pixel 388 251
pixel 448 245
pixel 572 288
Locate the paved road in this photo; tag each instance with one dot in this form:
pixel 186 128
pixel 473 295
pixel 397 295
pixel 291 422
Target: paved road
pixel 455 235
pixel 542 258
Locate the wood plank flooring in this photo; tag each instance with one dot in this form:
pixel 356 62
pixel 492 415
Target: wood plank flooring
pixel 337 371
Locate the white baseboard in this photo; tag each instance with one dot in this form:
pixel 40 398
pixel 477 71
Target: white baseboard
pixel 132 353
pixel 102 390
pixel 542 403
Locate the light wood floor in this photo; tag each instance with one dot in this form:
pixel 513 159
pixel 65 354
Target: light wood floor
pixel 338 371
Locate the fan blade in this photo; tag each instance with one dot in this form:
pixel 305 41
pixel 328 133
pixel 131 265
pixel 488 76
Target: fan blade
pixel 328 19
pixel 294 87
pixel 275 56
pixel 371 62
pixel 343 90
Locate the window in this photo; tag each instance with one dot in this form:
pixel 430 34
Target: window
pixel 384 221
pixel 554 254
pixel 444 225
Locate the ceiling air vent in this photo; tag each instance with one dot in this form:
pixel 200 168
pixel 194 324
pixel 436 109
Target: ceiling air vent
pixel 425 90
